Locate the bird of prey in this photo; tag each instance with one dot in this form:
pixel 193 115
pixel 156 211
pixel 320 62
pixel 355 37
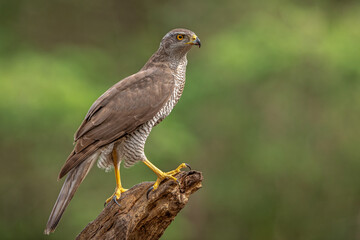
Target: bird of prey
pixel 117 125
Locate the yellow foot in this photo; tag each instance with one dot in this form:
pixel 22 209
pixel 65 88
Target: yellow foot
pixel 116 195
pixel 168 175
pixel 178 169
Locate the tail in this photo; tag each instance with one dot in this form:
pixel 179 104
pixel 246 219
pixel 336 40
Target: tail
pixel 71 184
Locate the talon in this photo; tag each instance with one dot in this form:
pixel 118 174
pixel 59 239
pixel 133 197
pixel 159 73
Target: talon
pixel 172 178
pixel 148 191
pixel 163 175
pixel 115 200
pixel 116 195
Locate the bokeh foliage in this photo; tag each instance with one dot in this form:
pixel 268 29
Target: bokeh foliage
pixel 270 113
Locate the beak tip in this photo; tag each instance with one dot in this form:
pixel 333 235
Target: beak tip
pixel 197 42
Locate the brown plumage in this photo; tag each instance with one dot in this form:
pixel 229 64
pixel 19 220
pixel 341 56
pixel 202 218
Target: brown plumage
pixel 120 110
pixel 121 119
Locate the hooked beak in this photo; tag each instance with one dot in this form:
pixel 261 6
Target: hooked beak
pixel 194 41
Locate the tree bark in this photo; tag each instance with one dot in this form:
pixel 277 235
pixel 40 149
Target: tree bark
pixel 139 217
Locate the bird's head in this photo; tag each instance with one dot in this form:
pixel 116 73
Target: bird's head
pixel 179 41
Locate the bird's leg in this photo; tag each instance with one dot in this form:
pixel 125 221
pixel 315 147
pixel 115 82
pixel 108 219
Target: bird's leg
pixel 119 189
pixel 162 175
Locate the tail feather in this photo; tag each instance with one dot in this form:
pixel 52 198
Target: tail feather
pixel 71 184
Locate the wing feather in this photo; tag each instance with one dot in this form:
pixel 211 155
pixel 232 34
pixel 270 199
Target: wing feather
pixel 119 111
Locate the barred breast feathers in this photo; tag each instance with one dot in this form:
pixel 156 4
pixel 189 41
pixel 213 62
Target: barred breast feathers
pixel 131 147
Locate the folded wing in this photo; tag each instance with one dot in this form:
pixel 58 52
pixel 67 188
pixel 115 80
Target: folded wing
pixel 119 111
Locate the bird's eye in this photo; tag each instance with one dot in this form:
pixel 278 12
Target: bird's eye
pixel 180 37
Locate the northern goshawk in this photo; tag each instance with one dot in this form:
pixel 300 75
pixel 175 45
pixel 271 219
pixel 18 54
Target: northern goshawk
pixel 117 125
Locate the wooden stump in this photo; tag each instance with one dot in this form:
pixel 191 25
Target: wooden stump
pixel 139 217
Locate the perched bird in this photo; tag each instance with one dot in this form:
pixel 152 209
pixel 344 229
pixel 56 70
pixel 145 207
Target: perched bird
pixel 117 125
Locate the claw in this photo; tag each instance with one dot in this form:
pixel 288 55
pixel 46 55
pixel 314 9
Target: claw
pixel 115 200
pixel 148 191
pixel 163 175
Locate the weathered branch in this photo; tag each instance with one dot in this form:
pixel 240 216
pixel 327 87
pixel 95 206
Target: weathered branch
pixel 140 218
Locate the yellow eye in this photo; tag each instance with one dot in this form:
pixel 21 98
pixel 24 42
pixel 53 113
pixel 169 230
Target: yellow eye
pixel 180 37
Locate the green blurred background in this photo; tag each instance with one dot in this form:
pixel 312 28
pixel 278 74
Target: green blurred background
pixel 270 112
